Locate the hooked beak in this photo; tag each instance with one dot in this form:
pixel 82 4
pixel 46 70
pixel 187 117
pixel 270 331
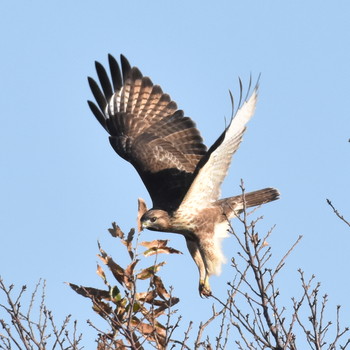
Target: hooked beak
pixel 144 224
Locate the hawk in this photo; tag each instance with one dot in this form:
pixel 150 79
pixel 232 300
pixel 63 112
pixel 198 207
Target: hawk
pixel 182 176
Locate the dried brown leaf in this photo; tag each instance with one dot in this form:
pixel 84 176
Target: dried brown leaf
pixel 117 271
pixel 129 274
pixel 120 345
pixel 149 297
pixel 161 250
pixel 160 310
pixel 128 243
pixel 90 292
pixel 157 243
pixel 131 235
pixel 103 253
pixel 103 309
pixel 150 271
pixel 153 332
pixel 101 273
pixel 142 208
pixel 161 291
pixel 163 305
pixel 122 307
pixel 115 231
pixel 146 297
pixel 144 328
pixel 129 271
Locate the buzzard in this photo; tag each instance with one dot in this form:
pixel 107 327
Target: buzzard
pixel 182 176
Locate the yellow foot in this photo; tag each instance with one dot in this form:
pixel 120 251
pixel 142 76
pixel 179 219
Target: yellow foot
pixel 204 289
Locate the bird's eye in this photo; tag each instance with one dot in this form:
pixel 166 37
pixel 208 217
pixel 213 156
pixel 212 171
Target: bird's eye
pixel 154 219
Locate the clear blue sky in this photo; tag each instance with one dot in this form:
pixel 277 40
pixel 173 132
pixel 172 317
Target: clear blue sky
pixel 62 184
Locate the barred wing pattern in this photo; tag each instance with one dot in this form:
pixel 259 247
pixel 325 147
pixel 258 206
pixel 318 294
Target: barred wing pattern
pixel 147 130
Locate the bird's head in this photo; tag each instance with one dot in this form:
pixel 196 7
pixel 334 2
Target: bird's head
pixel 155 220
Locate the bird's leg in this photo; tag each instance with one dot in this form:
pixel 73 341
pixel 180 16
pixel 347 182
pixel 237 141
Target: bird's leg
pixel 204 287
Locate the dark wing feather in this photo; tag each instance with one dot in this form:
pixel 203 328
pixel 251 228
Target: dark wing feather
pixel 99 97
pixel 105 83
pixel 115 73
pixel 98 114
pixel 147 130
pixel 125 66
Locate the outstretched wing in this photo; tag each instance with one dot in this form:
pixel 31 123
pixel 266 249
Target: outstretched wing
pixel 147 130
pixel 212 169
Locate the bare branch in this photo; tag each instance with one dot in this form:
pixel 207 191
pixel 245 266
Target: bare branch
pixel 27 333
pixel 341 217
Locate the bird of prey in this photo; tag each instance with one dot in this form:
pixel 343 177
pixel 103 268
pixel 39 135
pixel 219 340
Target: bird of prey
pixel 182 176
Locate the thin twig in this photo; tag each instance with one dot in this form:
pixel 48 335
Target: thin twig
pixel 341 217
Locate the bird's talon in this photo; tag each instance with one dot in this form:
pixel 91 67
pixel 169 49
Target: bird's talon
pixel 204 290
